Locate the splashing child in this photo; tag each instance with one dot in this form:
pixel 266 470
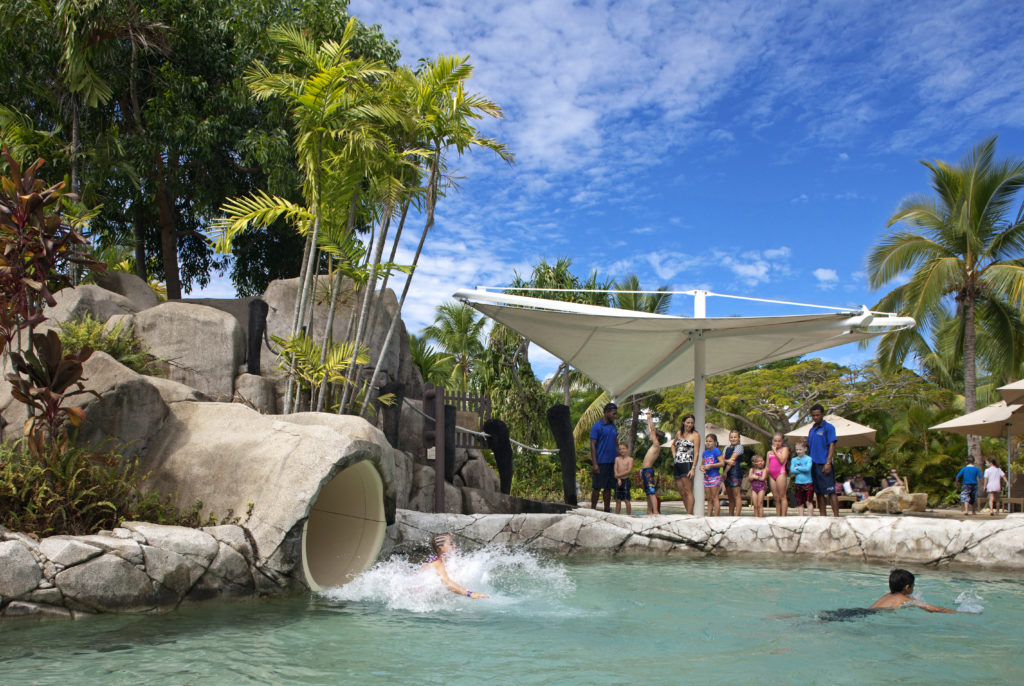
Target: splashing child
pixel 441 546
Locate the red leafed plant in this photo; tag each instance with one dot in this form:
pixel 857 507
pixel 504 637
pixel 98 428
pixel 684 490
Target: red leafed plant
pixel 36 247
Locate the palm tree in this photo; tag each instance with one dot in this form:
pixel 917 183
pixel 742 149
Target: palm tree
pixel 444 113
pixel 966 250
pixel 434 366
pixel 459 333
pixel 330 98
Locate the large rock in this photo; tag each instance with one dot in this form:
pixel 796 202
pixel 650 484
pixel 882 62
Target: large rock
pixel 75 303
pixel 131 287
pixel 258 392
pixel 19 572
pixel 478 474
pixel 201 346
pixel 280 297
pixel 421 495
pixel 107 582
pixel 129 416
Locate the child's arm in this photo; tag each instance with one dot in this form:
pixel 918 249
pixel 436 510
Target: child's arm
pixel 933 608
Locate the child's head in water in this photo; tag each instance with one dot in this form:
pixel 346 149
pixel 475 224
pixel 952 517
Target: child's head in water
pixel 441 544
pixel 901 581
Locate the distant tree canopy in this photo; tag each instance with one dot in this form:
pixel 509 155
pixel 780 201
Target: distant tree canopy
pixel 142 106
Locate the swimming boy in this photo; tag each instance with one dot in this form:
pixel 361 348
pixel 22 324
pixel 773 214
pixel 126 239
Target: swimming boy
pixel 901 585
pixel 623 468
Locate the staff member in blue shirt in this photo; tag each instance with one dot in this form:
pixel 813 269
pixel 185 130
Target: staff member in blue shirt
pixel 604 448
pixel 821 444
pixel 969 492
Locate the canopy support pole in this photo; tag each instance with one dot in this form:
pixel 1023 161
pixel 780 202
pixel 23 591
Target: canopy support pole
pixel 699 398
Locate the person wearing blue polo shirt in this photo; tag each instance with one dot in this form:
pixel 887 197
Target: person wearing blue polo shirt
pixel 969 492
pixel 821 445
pixel 604 448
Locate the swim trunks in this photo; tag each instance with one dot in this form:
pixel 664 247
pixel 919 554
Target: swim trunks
pixel 824 484
pixel 712 481
pixel 622 491
pixel 804 494
pixel 969 493
pixel 756 486
pixel 647 474
pixel 845 614
pixel 734 475
pixel 605 478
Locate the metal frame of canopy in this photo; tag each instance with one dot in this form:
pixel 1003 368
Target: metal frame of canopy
pixel 681 353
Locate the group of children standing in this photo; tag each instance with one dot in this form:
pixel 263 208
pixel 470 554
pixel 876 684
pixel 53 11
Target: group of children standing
pixel 720 471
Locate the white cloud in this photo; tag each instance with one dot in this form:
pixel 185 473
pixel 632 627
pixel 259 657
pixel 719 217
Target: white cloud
pixel 800 199
pixel 827 278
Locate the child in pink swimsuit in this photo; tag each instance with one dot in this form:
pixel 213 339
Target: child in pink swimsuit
pixel 778 456
pixel 757 477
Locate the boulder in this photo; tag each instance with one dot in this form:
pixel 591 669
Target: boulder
pixel 475 501
pixel 141 295
pixel 280 297
pixel 410 435
pixel 202 347
pixel 107 582
pixel 421 496
pixel 130 414
pixel 258 392
pixel 74 303
pixel 66 551
pixel 19 572
pixel 478 474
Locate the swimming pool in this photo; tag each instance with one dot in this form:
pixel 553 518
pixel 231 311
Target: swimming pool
pixel 553 622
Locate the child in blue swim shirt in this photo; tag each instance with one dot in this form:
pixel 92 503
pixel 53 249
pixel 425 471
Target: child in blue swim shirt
pixel 711 465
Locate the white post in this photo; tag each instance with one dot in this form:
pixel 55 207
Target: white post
pixel 700 304
pixel 699 419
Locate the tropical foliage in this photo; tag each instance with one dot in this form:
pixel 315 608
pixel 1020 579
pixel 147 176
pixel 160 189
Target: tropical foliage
pixel 964 253
pixel 118 341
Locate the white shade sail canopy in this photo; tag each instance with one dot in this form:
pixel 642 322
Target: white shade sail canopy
pixel 628 352
pixel 723 435
pixel 848 433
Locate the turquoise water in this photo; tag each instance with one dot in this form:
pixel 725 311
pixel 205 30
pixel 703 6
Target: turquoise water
pixel 733 621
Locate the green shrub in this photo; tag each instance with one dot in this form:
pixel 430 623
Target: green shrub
pixel 119 341
pixel 74 491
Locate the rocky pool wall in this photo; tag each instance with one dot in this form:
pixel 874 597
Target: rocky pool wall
pixel 891 540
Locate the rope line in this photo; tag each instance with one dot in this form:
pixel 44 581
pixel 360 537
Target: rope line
pixel 481 434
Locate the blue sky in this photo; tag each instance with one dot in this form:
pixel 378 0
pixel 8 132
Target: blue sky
pixel 753 148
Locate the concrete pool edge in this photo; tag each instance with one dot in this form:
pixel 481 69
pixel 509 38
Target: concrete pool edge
pixel 997 544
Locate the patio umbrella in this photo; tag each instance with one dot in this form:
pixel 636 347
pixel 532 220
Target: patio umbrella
pixel 1012 392
pixel 848 433
pixel 998 419
pixel 628 352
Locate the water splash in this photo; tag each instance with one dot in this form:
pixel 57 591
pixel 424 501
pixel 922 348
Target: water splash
pixel 509 577
pixel 970 601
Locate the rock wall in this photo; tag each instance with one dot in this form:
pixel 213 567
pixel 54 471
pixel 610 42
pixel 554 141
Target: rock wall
pixel 890 540
pixel 135 568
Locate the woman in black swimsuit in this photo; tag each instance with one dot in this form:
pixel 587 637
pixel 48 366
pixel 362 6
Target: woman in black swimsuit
pixel 682 460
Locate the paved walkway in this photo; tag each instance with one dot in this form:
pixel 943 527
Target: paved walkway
pixel 675 507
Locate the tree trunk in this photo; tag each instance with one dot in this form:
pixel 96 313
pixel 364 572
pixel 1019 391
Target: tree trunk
pixel 634 402
pixel 566 384
pixel 970 372
pixel 168 227
pixel 431 198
